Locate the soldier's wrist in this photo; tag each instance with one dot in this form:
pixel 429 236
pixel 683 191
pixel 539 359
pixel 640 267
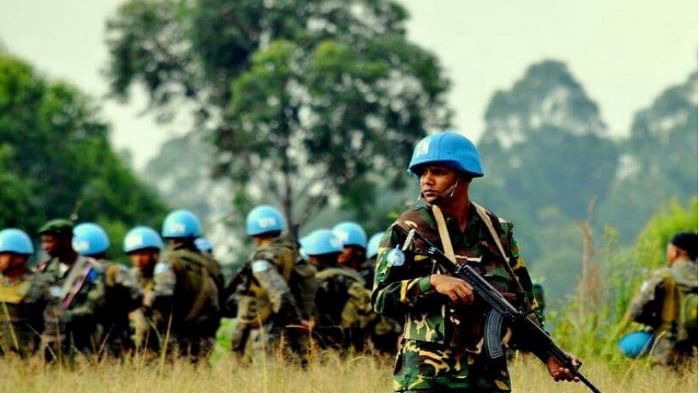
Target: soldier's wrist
pixel 425 284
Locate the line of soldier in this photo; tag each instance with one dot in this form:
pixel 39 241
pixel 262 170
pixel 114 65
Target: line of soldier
pixel 174 296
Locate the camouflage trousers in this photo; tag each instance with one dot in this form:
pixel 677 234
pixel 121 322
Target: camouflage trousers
pixel 428 367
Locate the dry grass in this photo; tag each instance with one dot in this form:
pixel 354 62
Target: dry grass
pixel 358 374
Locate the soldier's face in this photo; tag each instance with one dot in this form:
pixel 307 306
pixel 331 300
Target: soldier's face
pixel 50 244
pixel 144 260
pixel 435 181
pixel 9 260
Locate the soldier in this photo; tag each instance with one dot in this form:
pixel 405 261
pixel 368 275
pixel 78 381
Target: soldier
pixel 121 292
pixel 190 298
pixel 74 297
pixel 667 303
pixel 342 301
pixel 266 305
pixel 443 332
pixel 353 256
pixel 143 246
pixel 20 294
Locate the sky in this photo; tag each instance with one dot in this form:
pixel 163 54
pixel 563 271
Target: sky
pixel 624 52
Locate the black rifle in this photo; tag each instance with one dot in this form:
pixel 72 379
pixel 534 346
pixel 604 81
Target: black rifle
pixel 501 311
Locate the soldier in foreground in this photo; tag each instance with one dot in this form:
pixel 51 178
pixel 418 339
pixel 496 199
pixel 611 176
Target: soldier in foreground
pixel 266 307
pixel 442 346
pixel 21 295
pixel 667 303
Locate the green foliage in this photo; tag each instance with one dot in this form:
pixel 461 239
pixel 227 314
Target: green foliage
pixel 659 161
pixel 593 320
pixel 315 95
pixel 56 160
pixel 667 221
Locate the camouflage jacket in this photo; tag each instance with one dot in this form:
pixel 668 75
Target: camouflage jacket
pixel 74 296
pixel 658 305
pixel 21 319
pixel 403 290
pixel 263 291
pixel 188 284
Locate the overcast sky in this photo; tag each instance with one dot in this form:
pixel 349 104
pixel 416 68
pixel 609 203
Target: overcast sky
pixel 625 52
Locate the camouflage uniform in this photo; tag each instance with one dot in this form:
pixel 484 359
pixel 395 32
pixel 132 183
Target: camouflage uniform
pixel 658 305
pixel 185 300
pixel 21 314
pixel 122 296
pixel 74 296
pixel 441 346
pixel 344 308
pixel 266 305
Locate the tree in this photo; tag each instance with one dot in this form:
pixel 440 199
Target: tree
pixel 546 142
pixel 304 99
pixel 56 160
pixel 659 160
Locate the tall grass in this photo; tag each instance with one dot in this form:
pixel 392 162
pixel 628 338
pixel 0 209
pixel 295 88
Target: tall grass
pixel 331 374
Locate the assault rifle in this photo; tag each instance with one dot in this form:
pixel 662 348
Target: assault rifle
pixel 501 311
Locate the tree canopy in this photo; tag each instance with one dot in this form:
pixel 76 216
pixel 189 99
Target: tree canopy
pixel 303 100
pixel 56 160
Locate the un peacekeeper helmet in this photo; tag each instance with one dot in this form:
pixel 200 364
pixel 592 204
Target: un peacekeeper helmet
pixel 450 149
pixel 15 241
pixel 636 344
pixel 373 247
pixel 204 245
pixel 322 241
pixel 263 219
pixel 141 238
pixel 59 226
pixel 90 239
pixel 181 224
pixel 351 234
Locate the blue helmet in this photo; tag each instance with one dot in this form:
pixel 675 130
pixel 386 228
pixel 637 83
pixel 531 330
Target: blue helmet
pixel 181 224
pixel 90 239
pixel 322 241
pixel 636 344
pixel 373 247
pixel 351 234
pixel 15 241
pixel 204 245
pixel 141 238
pixel 264 219
pixel 447 148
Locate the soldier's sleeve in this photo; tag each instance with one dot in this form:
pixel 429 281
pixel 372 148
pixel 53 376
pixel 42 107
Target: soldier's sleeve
pixel 122 279
pixel 519 268
pixel 643 307
pixel 395 290
pixel 164 281
pixel 266 273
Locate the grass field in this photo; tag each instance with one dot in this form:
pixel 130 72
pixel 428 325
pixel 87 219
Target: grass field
pixel 358 374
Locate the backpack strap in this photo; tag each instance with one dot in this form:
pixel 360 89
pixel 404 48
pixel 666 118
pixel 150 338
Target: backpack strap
pixel 443 233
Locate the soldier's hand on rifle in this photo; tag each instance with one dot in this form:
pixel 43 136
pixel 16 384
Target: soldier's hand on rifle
pixel 560 372
pixel 458 290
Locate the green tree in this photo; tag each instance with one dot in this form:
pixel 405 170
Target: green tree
pixel 56 159
pixel 659 160
pixel 304 98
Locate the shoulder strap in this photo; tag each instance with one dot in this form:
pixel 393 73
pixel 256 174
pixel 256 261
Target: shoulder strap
pixel 483 214
pixel 443 233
